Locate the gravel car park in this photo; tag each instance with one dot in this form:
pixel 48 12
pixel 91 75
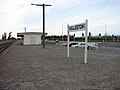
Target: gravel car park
pixel 36 68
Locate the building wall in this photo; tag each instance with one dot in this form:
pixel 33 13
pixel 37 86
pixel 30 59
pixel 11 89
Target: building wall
pixel 32 40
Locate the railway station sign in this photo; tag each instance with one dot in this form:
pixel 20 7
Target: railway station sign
pixel 74 28
pixel 77 27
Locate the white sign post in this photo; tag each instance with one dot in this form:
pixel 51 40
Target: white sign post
pixel 86 40
pixel 68 42
pixel 74 28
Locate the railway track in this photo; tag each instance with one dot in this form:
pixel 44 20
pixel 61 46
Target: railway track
pixel 5 44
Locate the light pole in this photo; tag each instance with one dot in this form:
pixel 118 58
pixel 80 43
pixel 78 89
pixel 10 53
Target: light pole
pixel 62 29
pixel 105 32
pixel 43 5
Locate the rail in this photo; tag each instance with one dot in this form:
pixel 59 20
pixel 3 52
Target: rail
pixel 5 44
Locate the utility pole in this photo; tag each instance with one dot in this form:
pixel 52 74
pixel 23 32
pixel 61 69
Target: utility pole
pixel 62 32
pixel 43 5
pixel 105 32
pixel 25 29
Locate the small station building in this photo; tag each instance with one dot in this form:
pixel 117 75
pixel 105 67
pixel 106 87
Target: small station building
pixel 31 38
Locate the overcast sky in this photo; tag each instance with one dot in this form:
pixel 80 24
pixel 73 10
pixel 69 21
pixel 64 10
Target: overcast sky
pixel 16 14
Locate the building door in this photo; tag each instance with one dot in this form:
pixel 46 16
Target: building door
pixel 32 40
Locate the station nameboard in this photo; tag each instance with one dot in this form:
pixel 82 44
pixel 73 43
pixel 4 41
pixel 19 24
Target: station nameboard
pixel 74 28
pixel 78 27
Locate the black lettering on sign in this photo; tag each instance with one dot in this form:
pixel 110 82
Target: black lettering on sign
pixel 77 27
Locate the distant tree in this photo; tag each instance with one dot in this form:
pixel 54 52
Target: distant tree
pixel 74 36
pixel 9 37
pixel 113 37
pixel 89 33
pixel 99 34
pixel 82 36
pixel 4 36
pixel 89 36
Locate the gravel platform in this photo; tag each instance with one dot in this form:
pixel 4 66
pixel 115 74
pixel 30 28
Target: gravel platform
pixel 34 68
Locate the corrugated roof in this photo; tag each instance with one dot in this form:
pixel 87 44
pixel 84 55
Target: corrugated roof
pixel 30 33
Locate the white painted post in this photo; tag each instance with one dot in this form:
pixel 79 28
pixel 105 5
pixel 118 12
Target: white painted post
pixel 86 32
pixel 68 41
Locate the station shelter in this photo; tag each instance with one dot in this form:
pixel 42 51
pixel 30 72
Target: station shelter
pixel 30 38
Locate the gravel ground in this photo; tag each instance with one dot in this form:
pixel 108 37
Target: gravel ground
pixel 35 68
